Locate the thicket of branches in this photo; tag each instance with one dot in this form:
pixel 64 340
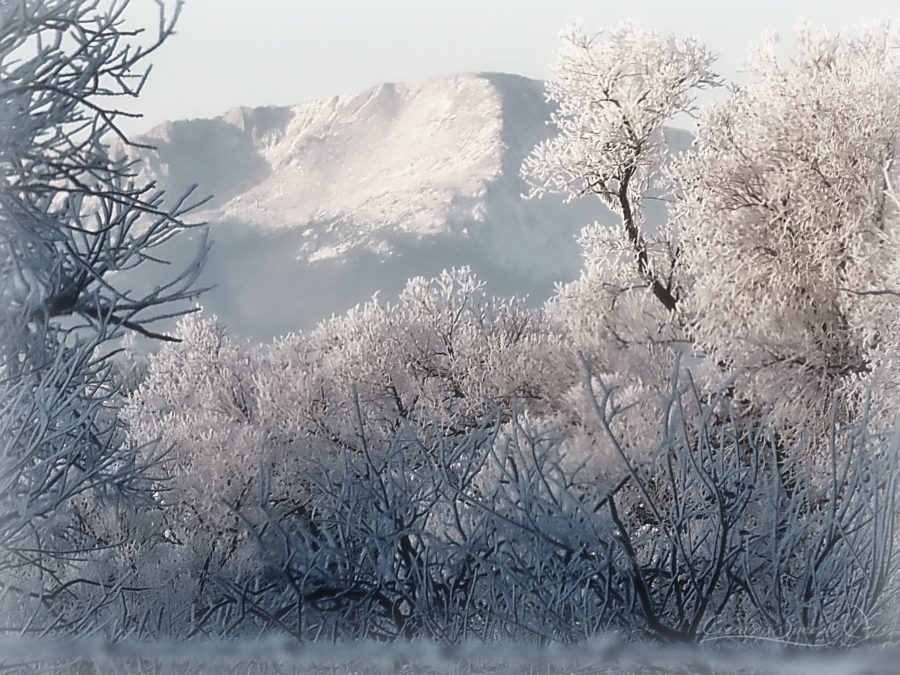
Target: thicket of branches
pixel 72 221
pixel 695 441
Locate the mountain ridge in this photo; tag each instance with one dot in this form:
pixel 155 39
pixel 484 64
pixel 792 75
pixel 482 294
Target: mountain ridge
pixel 319 205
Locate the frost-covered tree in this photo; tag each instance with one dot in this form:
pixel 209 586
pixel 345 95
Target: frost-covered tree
pixel 778 261
pixel 73 216
pixel 438 358
pixel 237 420
pixel 614 93
pixel 789 236
pixel 72 221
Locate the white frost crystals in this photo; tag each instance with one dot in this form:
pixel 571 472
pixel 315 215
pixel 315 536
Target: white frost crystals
pixel 790 237
pixel 613 97
pixel 615 92
pixel 778 262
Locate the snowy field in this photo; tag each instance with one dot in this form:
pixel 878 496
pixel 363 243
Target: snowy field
pixel 604 655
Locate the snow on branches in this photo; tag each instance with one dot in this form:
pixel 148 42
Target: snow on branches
pixel 614 95
pixel 777 260
pixel 787 233
pixel 72 220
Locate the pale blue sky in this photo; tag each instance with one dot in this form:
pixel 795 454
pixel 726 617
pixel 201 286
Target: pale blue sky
pixel 260 52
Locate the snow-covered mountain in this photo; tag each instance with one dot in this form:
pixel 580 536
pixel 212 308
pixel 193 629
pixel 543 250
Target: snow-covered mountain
pixel 318 206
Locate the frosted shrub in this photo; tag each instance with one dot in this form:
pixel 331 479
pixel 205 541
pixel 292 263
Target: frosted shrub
pixel 496 538
pixel 725 541
pixel 198 402
pixel 280 421
pixel 438 359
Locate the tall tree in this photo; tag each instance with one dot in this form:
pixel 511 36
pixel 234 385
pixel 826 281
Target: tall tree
pixel 777 258
pixel 613 97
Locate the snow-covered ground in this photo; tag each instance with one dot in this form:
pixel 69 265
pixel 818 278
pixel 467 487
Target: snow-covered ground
pixel 606 655
pixel 318 206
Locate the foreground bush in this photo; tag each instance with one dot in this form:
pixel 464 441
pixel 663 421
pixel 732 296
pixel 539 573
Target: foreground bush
pixel 495 536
